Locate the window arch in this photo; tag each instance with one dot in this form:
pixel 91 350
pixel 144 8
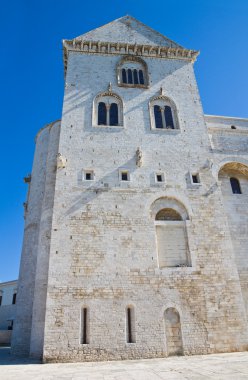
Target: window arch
pixel 163 113
pixel 132 72
pixel 235 185
pixel 171 233
pixel 173 331
pixel 108 110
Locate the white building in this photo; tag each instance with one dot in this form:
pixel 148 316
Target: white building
pixel 135 240
pixel 8 292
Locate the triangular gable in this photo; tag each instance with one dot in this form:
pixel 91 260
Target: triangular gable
pixel 128 30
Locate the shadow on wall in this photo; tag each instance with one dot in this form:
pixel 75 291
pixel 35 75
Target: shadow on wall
pixel 98 187
pixel 7 359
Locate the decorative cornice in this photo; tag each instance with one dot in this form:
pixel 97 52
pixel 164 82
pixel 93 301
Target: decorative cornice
pixel 117 48
pixel 108 93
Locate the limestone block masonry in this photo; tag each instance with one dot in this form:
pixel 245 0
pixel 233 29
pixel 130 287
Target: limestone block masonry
pixel 136 232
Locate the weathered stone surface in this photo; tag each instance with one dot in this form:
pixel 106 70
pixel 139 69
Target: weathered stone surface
pixel 92 244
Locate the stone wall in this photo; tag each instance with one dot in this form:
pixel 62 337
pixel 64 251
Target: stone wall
pixel 103 245
pixel 41 177
pixel 7 313
pixel 92 245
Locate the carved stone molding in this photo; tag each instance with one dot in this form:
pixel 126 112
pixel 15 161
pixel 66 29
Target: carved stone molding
pixel 117 48
pixel 109 93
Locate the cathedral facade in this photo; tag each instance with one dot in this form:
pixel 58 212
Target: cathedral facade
pixel 136 223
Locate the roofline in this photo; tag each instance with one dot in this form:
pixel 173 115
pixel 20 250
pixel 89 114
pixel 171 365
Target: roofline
pixel 154 30
pixel 140 22
pixel 227 117
pixel 8 282
pixel 49 125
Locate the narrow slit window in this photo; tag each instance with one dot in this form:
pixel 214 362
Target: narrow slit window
pixel 158 117
pixel 130 331
pixel 168 117
pixel 113 114
pixel 235 186
pixel 84 325
pixel 1 298
pixel 14 299
pixel 102 114
pixel 124 76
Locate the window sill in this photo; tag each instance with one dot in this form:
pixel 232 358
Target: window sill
pixel 128 85
pixel 194 185
pixel 128 344
pixel 108 126
pixel 173 131
pixel 176 270
pixel 162 183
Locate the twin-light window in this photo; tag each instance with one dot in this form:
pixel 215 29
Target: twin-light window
pixel 108 111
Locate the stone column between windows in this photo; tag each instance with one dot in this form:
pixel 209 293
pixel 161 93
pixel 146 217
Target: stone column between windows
pixel 162 109
pixel 107 111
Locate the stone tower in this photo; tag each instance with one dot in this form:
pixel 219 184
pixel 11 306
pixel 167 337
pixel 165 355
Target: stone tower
pixel 128 247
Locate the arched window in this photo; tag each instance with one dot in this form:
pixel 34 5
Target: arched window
pixel 135 77
pixel 171 233
pixel 163 113
pixel 132 72
pixel 141 77
pixel 102 114
pixel 158 117
pixel 130 76
pixel 168 117
pixel 113 114
pixel 124 76
pixel 108 110
pixel 168 214
pixel 235 186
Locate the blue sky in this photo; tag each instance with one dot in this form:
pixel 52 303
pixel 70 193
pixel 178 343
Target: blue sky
pixel 32 76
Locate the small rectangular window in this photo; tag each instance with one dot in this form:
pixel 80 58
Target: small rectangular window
pixel 195 178
pixel 125 175
pixel 159 177
pixel 1 298
pixel 88 175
